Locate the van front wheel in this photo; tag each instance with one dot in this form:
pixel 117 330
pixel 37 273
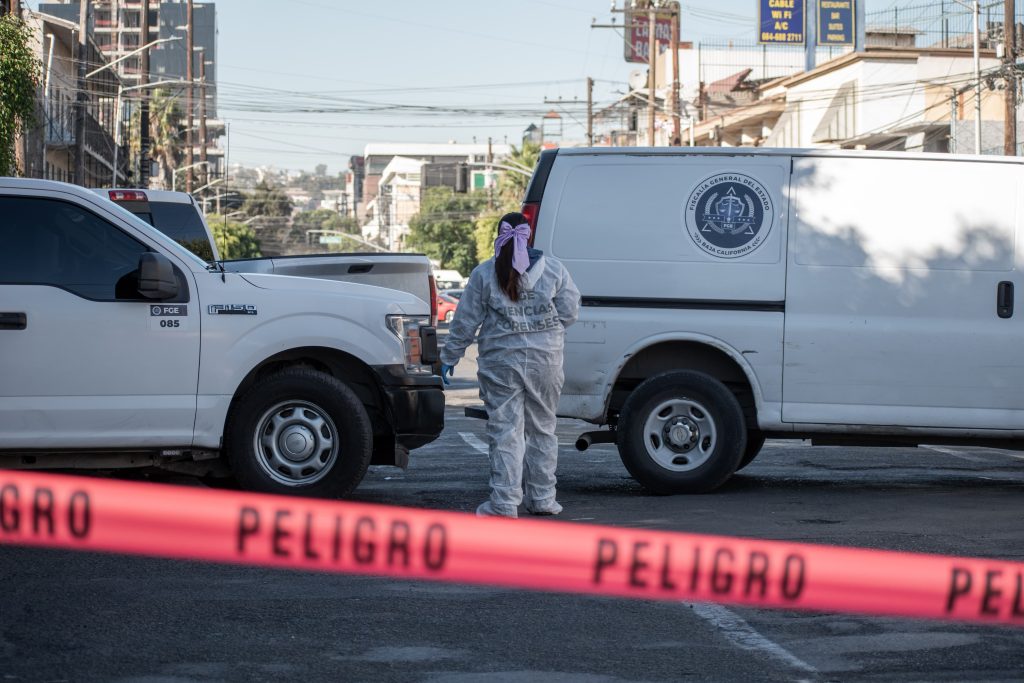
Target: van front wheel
pixel 299 432
pixel 681 432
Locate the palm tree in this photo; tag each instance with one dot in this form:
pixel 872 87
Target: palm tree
pixel 165 130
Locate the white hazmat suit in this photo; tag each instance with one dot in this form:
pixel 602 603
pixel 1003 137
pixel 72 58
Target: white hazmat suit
pixel 520 372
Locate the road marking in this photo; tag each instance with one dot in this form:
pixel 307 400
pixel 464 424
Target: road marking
pixel 474 442
pixel 736 630
pixel 955 454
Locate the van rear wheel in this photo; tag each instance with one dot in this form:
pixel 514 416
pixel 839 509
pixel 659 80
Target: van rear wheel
pixel 681 432
pixel 299 432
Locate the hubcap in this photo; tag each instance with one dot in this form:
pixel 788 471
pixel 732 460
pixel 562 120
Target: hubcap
pixel 296 443
pixel 680 434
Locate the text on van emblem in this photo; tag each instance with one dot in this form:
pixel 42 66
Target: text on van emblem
pixel 729 215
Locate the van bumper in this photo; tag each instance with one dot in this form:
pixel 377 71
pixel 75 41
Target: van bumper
pixel 415 405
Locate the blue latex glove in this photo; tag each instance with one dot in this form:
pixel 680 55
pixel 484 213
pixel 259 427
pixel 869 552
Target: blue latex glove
pixel 446 372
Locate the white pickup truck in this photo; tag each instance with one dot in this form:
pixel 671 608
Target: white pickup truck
pixel 119 347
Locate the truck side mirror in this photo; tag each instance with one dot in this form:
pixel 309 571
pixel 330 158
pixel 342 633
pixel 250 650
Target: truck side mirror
pixel 156 277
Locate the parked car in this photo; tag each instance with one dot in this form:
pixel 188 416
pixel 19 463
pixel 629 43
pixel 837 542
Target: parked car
pixel 447 302
pixel 177 215
pixel 449 279
pixel 862 298
pixel 120 348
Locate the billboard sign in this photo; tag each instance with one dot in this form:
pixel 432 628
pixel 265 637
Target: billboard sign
pixel 782 22
pixel 836 22
pixel 638 34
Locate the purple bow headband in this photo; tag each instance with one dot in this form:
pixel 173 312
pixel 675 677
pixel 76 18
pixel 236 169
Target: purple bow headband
pixel 521 234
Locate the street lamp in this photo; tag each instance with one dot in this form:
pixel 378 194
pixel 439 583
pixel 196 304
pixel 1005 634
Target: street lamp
pixel 131 54
pixel 117 108
pixel 175 172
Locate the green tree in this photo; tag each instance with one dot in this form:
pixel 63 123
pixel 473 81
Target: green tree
pixel 20 73
pixel 512 185
pixel 166 141
pixel 313 220
pixel 443 229
pixel 511 190
pixel 340 223
pixel 267 200
pixel 234 240
pixel 485 231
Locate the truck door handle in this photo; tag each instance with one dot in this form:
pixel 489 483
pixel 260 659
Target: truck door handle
pixel 13 321
pixel 1004 300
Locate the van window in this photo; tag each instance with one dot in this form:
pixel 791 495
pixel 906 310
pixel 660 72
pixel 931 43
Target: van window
pixel 182 223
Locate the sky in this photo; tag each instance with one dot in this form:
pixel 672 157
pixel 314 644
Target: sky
pixel 307 82
pixel 498 59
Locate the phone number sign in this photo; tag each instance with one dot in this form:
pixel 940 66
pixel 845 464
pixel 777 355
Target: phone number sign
pixel 782 22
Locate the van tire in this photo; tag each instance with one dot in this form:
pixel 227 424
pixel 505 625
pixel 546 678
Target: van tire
pixel 755 442
pixel 681 432
pixel 299 432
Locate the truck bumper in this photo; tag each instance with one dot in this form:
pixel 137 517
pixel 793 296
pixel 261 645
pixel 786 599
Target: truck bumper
pixel 415 404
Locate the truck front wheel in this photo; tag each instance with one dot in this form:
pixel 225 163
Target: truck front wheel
pixel 681 432
pixel 299 432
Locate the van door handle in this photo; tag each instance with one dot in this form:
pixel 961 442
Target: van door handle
pixel 13 321
pixel 1004 300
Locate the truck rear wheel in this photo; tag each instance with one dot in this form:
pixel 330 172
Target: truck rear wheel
pixel 299 432
pixel 681 432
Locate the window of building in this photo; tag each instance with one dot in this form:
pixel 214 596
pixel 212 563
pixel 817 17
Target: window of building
pixel 49 242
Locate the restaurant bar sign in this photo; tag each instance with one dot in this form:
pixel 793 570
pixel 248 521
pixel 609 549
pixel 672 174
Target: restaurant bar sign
pixel 835 22
pixel 782 22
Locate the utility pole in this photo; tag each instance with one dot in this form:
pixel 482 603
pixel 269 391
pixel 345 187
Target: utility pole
pixel 81 98
pixel 590 111
pixel 1010 92
pixel 652 54
pixel 977 79
pixel 189 77
pixel 676 130
pixel 144 102
pixel 202 116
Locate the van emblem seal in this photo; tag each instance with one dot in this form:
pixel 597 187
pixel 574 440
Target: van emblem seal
pixel 729 215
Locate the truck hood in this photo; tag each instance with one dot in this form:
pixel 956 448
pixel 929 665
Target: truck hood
pixel 408 303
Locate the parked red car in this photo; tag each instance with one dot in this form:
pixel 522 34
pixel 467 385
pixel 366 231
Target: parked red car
pixel 447 301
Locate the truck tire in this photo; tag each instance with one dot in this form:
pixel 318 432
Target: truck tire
pixel 755 441
pixel 299 432
pixel 681 432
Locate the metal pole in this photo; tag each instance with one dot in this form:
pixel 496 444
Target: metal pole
pixel 810 34
pixel 144 103
pixel 652 50
pixel 189 77
pixel 590 111
pixel 977 81
pixel 117 134
pixel 81 98
pixel 953 114
pixel 676 131
pixel 202 116
pixel 1010 92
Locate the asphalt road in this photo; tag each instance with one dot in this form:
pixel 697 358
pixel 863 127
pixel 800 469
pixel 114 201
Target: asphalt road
pixel 73 617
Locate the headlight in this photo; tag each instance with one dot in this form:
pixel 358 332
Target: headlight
pixel 407 328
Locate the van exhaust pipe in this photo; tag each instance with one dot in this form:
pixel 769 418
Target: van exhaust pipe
pixel 587 439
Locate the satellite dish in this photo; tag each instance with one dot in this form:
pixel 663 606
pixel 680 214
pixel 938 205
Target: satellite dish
pixel 637 79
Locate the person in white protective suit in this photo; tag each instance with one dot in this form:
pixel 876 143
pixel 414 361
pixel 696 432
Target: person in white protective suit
pixel 521 301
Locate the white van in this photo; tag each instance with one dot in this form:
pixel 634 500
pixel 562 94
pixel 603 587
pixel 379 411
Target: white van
pixel 731 295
